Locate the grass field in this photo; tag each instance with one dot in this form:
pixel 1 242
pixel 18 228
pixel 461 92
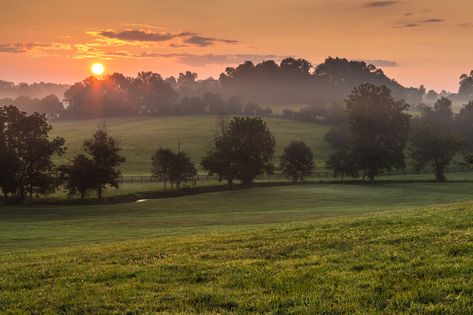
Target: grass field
pixel 140 136
pixel 409 261
pixel 25 228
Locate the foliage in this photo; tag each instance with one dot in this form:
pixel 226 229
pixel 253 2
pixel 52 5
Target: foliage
pixel 342 164
pixel 464 126
pixel 105 153
pixel 79 176
pixel 433 140
pixel 242 151
pixel 27 152
pixel 379 128
pixel 297 161
pixel 173 167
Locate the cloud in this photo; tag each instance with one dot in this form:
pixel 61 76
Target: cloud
pixel 17 48
pixel 432 21
pixel 466 25
pixel 427 21
pixel 201 41
pixel 184 38
pixel 380 4
pixel 137 35
pixel 381 63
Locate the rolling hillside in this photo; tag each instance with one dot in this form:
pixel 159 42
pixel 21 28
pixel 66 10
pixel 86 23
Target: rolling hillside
pixel 140 136
pixel 410 261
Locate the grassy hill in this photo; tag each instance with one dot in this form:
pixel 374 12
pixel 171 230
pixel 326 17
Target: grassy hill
pixel 409 261
pixel 45 226
pixel 140 136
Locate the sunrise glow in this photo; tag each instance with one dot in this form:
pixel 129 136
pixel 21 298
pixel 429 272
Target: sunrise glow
pixel 97 69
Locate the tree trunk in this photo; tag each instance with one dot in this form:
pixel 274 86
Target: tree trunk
pixel 99 193
pixel 5 197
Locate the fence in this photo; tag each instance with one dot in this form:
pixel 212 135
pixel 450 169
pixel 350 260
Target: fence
pixel 318 174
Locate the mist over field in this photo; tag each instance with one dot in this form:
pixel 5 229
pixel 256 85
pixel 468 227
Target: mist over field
pixel 250 157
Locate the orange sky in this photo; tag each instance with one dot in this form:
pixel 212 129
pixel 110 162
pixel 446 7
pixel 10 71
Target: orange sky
pixel 416 42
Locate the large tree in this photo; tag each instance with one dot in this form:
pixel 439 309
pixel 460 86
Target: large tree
pixel 243 150
pixel 297 161
pixel 433 139
pixel 379 128
pixel 28 153
pixel 105 153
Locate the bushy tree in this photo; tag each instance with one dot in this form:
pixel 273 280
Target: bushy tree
pixel 464 126
pixel 105 152
pixel 379 128
pixel 173 167
pixel 242 151
pixel 79 176
pixel 433 140
pixel 297 161
pixel 27 153
pixel 342 164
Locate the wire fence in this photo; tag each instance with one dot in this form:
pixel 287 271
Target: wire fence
pixel 317 174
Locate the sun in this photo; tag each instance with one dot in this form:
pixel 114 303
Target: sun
pixel 97 68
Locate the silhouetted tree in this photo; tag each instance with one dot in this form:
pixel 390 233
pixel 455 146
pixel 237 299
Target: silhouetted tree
pixel 242 151
pixel 162 163
pixel 464 126
pixel 105 153
pixel 28 151
pixel 79 176
pixel 342 163
pixel 297 161
pixel 466 86
pixel 433 140
pixel 379 129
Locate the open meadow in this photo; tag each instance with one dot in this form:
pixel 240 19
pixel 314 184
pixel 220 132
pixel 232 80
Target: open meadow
pixel 140 136
pixel 416 260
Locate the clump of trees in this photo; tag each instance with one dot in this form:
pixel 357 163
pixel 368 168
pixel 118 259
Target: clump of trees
pixel 96 171
pixel 49 105
pixel 172 167
pixel 243 150
pixel 297 161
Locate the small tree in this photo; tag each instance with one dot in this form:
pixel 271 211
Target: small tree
pixel 297 161
pixel 173 167
pixel 182 169
pixel 105 153
pixel 242 151
pixel 162 161
pixel 79 176
pixel 342 164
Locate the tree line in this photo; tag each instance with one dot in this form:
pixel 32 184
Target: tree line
pixel 235 92
pixel 243 149
pixel 378 132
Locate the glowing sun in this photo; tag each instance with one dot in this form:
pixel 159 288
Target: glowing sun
pixel 97 68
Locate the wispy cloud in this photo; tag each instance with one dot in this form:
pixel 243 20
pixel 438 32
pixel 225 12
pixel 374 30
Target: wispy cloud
pixel 184 38
pixel 17 48
pixel 380 4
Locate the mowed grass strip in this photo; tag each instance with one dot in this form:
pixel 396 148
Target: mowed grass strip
pixel 39 226
pixel 140 136
pixel 409 261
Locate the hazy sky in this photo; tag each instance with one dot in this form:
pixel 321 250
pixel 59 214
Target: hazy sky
pixel 421 41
